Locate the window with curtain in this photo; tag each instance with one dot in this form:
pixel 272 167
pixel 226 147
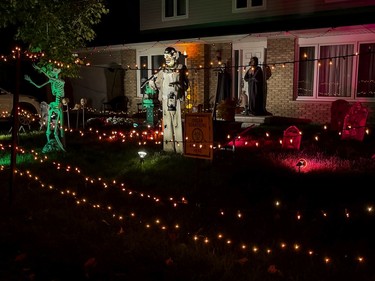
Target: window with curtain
pixel 175 9
pixel 345 71
pixel 335 69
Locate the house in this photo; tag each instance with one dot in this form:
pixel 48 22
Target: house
pixel 319 51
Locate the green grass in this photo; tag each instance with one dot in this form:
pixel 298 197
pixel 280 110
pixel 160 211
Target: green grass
pixel 98 203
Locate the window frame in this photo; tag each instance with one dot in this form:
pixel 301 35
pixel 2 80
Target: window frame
pixel 358 71
pixel 248 7
pixel 175 16
pixel 332 41
pixel 149 54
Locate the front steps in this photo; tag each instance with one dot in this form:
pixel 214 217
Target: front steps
pixel 248 120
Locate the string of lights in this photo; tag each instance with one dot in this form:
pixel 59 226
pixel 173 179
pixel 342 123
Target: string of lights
pixel 212 65
pixel 222 236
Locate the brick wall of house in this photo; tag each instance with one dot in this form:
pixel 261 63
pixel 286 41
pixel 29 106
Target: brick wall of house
pixel 280 95
pixel 128 57
pixel 203 81
pixel 195 63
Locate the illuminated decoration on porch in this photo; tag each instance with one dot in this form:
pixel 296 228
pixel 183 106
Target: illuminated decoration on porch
pixel 55 112
pixel 292 138
pixel 355 123
pixel 172 84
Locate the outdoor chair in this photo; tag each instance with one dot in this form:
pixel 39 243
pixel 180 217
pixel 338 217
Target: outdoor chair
pixel 119 103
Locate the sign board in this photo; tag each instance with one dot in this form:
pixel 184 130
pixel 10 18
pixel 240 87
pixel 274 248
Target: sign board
pixel 198 135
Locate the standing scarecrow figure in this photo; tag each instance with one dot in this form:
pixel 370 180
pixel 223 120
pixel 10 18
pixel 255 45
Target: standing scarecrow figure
pixel 172 84
pixel 55 112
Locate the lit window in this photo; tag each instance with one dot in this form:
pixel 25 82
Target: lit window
pixel 335 71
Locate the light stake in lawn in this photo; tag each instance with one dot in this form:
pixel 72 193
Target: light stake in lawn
pixel 301 164
pixel 142 154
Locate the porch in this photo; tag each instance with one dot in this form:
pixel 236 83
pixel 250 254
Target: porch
pixel 247 120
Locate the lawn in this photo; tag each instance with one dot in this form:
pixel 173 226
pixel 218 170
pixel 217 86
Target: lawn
pixel 96 212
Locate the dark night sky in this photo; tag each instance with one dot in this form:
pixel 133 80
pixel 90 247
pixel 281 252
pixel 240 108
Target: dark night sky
pixel 120 25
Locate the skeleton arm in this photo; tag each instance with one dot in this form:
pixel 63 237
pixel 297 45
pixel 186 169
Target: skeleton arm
pixel 155 82
pixel 27 78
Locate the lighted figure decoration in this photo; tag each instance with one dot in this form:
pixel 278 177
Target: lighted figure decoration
pixel 172 84
pixel 292 138
pixel 55 112
pixel 149 103
pixel 355 123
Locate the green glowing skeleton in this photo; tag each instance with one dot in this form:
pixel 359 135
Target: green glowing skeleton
pixel 55 112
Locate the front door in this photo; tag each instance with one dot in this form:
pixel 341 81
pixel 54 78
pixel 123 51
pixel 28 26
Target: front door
pixel 241 58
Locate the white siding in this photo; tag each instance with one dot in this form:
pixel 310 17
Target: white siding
pixel 215 12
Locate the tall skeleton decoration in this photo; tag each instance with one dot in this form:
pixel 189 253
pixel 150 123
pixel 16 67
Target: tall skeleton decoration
pixel 172 83
pixel 55 112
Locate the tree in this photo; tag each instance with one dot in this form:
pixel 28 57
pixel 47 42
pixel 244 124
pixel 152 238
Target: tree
pixel 53 30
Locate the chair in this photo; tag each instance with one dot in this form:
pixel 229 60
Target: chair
pixel 119 103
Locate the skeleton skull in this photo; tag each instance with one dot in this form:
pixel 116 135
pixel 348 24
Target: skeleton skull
pixel 171 57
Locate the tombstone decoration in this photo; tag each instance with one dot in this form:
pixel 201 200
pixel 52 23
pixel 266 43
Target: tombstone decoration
pixel 339 109
pixel 292 138
pixel 355 123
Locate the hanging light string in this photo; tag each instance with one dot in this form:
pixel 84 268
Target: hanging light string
pixel 84 61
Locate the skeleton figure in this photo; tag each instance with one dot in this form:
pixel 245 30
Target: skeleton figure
pixel 55 108
pixel 172 83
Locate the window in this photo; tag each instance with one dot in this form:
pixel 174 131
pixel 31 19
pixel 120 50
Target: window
pixel 336 71
pixel 335 68
pixel 149 64
pixel 245 5
pixel 175 9
pixel 306 72
pixel 366 71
